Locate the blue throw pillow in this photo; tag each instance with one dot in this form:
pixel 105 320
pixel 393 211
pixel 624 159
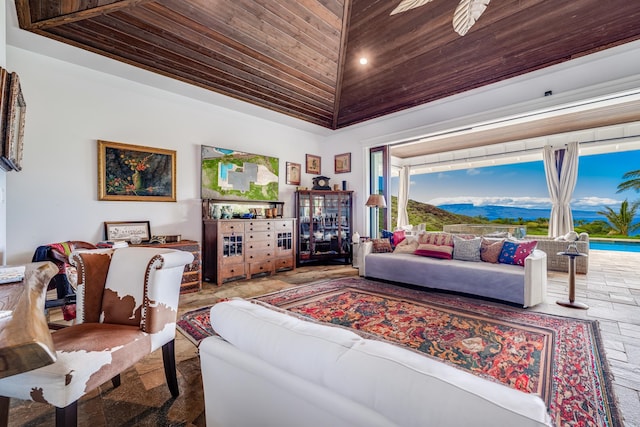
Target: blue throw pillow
pixel 508 253
pixel 386 234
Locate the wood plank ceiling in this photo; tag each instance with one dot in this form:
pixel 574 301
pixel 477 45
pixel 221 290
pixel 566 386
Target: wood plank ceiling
pixel 301 57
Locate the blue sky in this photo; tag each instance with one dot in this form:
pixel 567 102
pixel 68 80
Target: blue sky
pixel 524 184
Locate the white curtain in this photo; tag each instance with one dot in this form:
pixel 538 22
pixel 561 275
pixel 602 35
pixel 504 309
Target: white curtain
pixel 403 197
pixel 561 170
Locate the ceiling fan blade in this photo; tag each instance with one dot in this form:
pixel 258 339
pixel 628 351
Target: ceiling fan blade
pixel 467 13
pixel 408 4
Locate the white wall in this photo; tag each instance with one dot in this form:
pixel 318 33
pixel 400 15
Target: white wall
pixel 69 107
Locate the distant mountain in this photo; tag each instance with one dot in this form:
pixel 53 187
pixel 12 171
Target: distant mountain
pixel 433 217
pixel 494 212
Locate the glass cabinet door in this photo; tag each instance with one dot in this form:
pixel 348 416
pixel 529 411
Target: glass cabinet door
pixel 304 223
pixel 324 219
pixel 231 245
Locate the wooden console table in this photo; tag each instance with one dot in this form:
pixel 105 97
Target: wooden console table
pixel 25 340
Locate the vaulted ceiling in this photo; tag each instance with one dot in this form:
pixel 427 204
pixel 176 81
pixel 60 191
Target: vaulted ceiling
pixel 301 57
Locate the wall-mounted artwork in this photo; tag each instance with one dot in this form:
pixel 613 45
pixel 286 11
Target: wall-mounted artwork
pixel 313 164
pixel 12 109
pixel 235 175
pixel 343 163
pixel 136 173
pixel 293 173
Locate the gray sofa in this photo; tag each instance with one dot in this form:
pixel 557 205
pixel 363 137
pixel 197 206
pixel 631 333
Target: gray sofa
pixel 525 286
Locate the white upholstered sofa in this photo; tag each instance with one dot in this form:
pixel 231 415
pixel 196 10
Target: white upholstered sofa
pixel 268 368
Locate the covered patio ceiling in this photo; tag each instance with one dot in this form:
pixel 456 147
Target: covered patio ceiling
pixel 601 125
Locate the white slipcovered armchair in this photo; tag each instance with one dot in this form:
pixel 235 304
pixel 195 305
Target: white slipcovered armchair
pixel 553 245
pixel 127 306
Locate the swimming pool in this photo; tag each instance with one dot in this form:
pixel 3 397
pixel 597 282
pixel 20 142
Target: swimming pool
pixel 615 245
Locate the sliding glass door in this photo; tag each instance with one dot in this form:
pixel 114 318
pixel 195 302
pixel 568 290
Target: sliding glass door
pixel 379 184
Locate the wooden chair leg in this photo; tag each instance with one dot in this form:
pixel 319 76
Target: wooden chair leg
pixel 4 411
pixel 68 416
pixel 116 381
pixel 169 359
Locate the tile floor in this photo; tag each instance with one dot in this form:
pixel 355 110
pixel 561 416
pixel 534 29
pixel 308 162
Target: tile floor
pixel 611 289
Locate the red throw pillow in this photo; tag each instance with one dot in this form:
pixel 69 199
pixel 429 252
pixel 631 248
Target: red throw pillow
pixel 524 250
pixel 398 236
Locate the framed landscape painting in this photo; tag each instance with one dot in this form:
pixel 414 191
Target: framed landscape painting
pixel 135 173
pixel 235 175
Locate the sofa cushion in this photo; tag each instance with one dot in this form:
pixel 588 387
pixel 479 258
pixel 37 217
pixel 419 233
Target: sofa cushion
pixel 398 237
pixel 381 246
pixel 466 249
pixel 386 234
pixel 436 245
pixel 407 246
pixel 272 336
pixel 413 390
pixel 490 249
pixel 516 252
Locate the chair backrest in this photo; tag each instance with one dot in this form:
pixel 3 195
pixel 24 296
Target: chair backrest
pixel 130 286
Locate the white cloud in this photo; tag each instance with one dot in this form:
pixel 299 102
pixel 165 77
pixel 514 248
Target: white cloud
pixel 585 203
pixel 473 171
pixel 594 202
pixel 521 202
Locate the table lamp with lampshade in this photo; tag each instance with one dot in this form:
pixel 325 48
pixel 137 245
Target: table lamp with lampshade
pixel 376 201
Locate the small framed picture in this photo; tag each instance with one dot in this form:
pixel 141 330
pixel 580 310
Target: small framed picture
pixel 343 163
pixel 125 230
pixel 294 171
pixel 313 164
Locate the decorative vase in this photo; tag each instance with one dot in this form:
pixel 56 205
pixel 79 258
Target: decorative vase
pixel 136 178
pixel 355 238
pixel 215 212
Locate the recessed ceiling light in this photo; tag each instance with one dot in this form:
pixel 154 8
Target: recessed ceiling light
pixel 363 61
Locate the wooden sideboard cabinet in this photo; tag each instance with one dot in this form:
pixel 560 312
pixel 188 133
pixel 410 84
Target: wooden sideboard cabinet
pixel 192 276
pixel 242 248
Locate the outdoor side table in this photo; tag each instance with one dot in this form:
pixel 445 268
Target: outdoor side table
pixel 572 281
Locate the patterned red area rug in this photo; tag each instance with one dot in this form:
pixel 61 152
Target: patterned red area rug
pixel 559 358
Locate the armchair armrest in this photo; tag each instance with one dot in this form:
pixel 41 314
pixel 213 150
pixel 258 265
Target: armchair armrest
pixel 365 249
pixel 535 278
